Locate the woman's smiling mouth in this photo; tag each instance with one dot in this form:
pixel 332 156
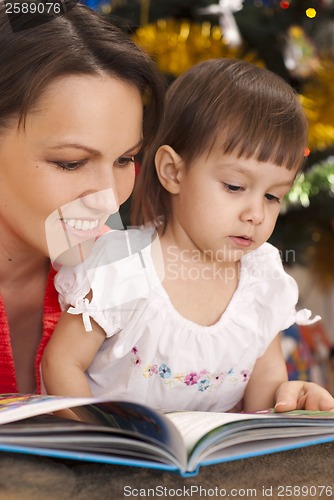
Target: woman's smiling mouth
pixel 82 224
pixel 81 228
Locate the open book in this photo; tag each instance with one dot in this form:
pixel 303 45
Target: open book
pixel 132 434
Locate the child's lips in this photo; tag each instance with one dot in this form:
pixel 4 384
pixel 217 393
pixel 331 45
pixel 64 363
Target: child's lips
pixel 242 241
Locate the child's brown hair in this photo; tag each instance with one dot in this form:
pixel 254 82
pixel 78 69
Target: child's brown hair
pixel 231 105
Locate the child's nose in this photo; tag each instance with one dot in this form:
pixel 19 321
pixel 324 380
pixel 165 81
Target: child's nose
pixel 254 212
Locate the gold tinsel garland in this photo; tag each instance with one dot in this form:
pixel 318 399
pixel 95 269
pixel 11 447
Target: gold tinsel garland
pixel 178 45
pixel 318 102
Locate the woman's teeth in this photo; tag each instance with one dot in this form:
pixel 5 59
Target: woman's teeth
pixel 84 225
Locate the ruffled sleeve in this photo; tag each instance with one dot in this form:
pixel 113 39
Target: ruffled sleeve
pixel 303 317
pixel 71 284
pixel 274 294
pixel 117 281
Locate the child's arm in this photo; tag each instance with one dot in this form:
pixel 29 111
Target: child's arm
pixel 268 374
pixel 269 387
pixel 67 356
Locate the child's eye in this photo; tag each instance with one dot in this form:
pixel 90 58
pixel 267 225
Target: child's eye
pixel 271 197
pixel 69 165
pixel 123 161
pixel 231 188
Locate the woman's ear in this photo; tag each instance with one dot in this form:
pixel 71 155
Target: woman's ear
pixel 169 166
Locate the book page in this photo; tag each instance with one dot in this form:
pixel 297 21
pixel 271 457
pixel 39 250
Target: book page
pixel 133 421
pixel 15 407
pixel 193 425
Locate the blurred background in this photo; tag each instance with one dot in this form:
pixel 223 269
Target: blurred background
pixel 295 39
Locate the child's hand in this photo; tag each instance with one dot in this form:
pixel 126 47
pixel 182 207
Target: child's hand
pixel 298 395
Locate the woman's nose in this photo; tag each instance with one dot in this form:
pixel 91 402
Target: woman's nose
pixel 105 200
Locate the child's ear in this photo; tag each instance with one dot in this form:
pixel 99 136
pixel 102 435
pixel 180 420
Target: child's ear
pixel 169 166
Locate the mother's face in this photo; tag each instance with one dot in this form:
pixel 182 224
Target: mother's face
pixel 71 166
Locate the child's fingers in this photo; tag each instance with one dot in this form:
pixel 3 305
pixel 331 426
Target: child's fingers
pixel 317 398
pixel 287 396
pixel 303 395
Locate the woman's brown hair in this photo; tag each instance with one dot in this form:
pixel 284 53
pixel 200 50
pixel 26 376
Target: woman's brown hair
pixel 36 49
pixel 227 104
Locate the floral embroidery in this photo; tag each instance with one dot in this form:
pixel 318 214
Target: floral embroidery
pixel 150 370
pixel 203 384
pixel 164 371
pixel 202 380
pixel 245 375
pixel 191 378
pixel 218 378
pixel 136 360
pixel 179 377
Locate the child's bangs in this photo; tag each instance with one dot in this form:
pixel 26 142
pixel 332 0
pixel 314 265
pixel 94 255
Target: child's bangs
pixel 267 137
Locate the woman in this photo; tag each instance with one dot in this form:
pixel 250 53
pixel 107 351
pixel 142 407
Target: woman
pixel 71 122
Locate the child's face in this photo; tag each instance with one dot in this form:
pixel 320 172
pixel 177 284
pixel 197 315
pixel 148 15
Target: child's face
pixel 229 205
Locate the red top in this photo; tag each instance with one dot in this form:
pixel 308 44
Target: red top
pixel 51 314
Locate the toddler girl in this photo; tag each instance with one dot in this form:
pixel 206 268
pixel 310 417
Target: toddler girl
pixel 185 312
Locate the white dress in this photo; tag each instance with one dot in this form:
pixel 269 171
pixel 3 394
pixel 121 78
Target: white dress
pixel 152 354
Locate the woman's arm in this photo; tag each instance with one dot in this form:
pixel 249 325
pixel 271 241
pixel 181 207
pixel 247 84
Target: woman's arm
pixel 67 356
pixel 269 373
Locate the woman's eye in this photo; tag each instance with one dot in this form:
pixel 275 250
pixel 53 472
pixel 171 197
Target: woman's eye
pixel 123 161
pixel 271 197
pixel 69 165
pixel 231 188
